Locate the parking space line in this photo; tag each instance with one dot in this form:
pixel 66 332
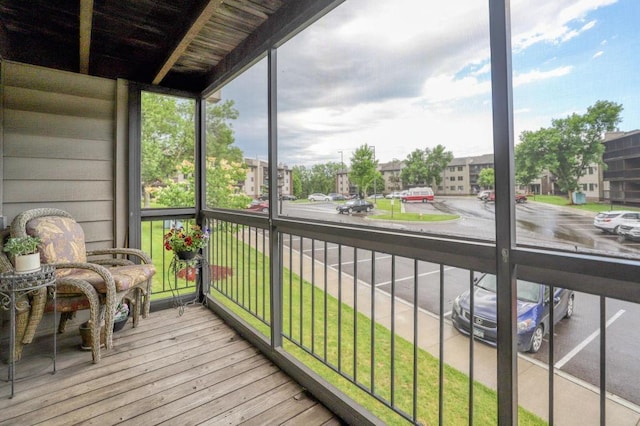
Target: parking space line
pixel 586 341
pixel 410 277
pixel 367 259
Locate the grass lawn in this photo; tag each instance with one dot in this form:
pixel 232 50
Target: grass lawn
pixel 589 206
pixel 383 211
pixel 307 310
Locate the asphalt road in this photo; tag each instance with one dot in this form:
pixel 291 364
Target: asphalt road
pixel 576 342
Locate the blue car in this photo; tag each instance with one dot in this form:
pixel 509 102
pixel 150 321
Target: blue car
pixel 532 306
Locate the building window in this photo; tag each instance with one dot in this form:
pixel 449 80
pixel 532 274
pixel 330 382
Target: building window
pixel 459 168
pixel 453 188
pixel 460 188
pixel 592 186
pixel 452 178
pixel 590 170
pixel 584 186
pixel 452 169
pixel 460 178
pixel 440 188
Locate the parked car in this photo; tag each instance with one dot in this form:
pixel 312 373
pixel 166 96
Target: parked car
pixel 376 196
pixel 533 308
pixel 396 194
pixel 259 206
pixel 629 231
pixel 317 196
pixel 288 197
pixel 355 206
pixel 333 196
pixel 519 198
pixel 483 195
pixel 418 194
pixel 611 221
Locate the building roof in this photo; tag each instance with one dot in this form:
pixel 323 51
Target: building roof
pixel 189 45
pixel 479 159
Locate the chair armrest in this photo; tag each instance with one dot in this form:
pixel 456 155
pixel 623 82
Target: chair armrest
pixel 144 257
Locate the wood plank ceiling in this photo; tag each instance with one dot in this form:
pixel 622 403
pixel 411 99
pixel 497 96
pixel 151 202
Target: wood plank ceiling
pixel 174 43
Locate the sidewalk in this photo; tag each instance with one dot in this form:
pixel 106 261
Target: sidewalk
pixel 576 403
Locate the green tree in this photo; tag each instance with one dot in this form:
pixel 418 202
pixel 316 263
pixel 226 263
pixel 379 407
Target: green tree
pixel 220 137
pixel 296 183
pixel 415 170
pixel 364 169
pixel 436 160
pixel 167 138
pixel 487 178
pixel 322 177
pixel 529 157
pixel 571 144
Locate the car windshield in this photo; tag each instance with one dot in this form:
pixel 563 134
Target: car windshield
pixel 527 291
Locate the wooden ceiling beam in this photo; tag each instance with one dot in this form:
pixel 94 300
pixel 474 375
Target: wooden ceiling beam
pixel 185 41
pixel 86 22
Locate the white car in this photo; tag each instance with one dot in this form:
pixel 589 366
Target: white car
pixel 317 196
pixel 630 231
pixel 484 195
pixel 396 194
pixel 611 221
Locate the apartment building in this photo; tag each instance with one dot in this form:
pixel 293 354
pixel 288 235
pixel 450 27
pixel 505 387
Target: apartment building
pixel 622 157
pixel 257 180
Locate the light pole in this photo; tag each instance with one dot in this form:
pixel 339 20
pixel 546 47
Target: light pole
pixel 341 179
pixel 375 177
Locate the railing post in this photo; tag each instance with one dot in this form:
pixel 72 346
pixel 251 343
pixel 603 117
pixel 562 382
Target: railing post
pixel 502 101
pixel 275 257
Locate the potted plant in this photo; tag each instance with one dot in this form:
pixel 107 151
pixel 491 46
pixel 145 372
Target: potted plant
pixel 24 251
pixel 186 242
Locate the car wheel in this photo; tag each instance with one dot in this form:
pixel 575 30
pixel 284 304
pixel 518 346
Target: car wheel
pixel 369 208
pixel 569 312
pixel 536 339
pixel 265 210
pixel 615 230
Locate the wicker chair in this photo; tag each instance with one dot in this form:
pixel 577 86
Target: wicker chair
pixel 111 274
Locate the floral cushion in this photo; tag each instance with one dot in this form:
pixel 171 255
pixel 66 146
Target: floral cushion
pixel 125 277
pixel 62 240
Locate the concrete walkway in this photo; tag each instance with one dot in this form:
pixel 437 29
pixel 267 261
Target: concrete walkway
pixel 576 403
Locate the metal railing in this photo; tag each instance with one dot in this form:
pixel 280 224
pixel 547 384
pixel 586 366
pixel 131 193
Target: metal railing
pixel 169 281
pixel 369 311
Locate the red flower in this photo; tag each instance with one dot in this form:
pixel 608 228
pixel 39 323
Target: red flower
pixel 188 241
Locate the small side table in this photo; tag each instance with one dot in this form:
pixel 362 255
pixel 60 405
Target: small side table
pixel 14 286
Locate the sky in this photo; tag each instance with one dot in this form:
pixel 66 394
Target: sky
pixel 411 74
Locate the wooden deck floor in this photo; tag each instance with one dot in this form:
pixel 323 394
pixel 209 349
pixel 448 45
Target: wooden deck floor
pixel 182 370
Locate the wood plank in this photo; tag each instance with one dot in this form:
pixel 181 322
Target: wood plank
pixel 196 408
pixel 63 126
pixel 179 369
pixel 257 405
pixel 316 415
pixel 48 79
pixel 34 191
pixel 290 409
pixel 51 146
pixel 54 169
pixel 23 99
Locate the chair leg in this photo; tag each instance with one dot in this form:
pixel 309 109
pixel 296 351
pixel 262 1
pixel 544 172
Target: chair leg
pixel 147 299
pixel 64 318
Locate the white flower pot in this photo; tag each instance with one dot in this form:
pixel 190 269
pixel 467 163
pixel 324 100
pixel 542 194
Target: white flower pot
pixel 27 263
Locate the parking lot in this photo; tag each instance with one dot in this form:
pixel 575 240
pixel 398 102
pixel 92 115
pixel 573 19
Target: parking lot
pixel 576 340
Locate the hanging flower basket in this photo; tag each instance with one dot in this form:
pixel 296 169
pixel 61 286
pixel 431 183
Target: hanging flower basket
pixel 186 255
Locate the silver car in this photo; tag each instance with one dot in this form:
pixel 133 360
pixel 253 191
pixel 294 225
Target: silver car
pixel 611 221
pixel 317 196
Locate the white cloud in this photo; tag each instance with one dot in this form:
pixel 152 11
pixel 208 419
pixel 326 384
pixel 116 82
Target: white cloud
pixel 537 75
pixel 597 54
